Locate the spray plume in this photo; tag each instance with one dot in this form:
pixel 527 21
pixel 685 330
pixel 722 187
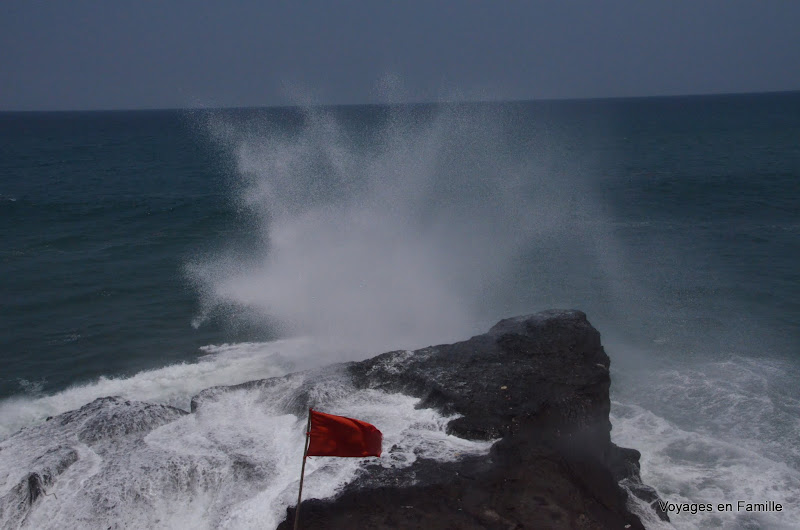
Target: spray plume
pixel 378 232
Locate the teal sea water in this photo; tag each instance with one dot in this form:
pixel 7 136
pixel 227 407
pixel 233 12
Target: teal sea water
pixel 152 254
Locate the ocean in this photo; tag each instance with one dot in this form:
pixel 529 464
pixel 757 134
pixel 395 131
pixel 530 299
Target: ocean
pixel 152 254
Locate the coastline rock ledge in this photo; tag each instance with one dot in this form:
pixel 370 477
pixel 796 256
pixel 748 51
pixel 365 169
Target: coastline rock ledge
pixel 535 389
pixel 538 383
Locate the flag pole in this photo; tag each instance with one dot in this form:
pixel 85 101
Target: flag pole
pixel 302 472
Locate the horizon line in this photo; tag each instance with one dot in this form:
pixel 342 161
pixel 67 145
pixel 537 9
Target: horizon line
pixel 405 103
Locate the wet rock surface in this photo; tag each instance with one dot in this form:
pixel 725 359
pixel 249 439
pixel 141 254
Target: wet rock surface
pixel 540 384
pixel 46 452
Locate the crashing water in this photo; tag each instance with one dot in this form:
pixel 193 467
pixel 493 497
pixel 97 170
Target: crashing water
pixel 233 463
pixel 385 240
pixel 672 223
pixel 723 432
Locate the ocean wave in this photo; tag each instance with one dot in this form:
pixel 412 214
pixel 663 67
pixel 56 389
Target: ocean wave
pixel 172 385
pixel 234 463
pixel 687 466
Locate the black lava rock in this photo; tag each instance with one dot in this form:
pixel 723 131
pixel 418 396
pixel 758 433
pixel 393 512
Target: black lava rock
pixel 539 383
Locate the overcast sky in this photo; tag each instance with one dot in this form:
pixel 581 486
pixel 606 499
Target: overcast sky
pixel 154 54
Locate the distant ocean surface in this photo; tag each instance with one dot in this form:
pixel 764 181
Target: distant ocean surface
pixel 152 254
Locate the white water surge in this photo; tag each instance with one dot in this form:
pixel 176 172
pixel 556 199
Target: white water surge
pixel 234 463
pixel 709 443
pixel 171 385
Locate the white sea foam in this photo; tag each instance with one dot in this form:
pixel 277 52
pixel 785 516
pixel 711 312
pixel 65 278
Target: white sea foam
pixel 724 431
pixel 172 385
pixel 234 463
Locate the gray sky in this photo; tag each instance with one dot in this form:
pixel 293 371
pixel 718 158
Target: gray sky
pixel 153 54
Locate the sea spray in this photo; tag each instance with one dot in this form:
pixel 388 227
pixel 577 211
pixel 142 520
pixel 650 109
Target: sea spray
pixel 230 464
pixel 389 234
pixel 174 385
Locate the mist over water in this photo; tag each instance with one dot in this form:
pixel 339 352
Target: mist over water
pixel 389 236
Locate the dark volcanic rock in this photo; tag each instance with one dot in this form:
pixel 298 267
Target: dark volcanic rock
pixel 52 448
pixel 110 417
pixel 15 505
pixel 540 383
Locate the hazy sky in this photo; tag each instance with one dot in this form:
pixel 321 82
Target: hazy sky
pixel 152 54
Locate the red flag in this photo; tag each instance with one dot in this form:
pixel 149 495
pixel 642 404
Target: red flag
pixel 339 436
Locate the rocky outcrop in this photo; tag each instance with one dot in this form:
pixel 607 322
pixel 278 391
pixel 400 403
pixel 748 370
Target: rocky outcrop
pixel 540 384
pixel 528 402
pixel 44 453
pixel 111 417
pixel 16 504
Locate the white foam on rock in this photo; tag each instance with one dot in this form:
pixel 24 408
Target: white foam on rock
pixel 226 364
pixel 234 463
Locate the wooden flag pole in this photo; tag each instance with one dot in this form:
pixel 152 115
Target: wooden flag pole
pixel 302 472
